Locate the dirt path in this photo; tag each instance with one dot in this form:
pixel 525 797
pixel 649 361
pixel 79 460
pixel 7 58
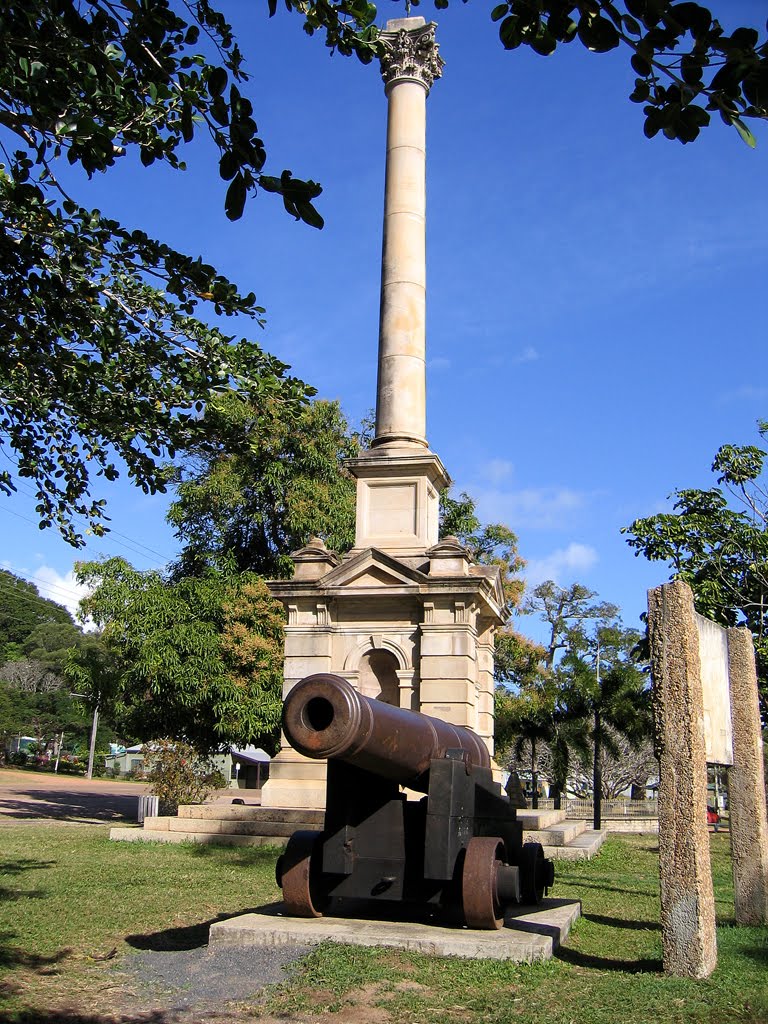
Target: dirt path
pixel 44 796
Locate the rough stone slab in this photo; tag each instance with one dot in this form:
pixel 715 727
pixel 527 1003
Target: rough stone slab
pixel 284 829
pixel 746 786
pixel 245 812
pixel 557 835
pixel 583 847
pixel 529 934
pixel 532 820
pixel 148 835
pixel 688 934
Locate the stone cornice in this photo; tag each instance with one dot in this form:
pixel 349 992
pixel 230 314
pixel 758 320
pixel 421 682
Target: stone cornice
pixel 411 53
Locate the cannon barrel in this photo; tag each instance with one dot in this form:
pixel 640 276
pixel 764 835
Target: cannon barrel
pixel 323 716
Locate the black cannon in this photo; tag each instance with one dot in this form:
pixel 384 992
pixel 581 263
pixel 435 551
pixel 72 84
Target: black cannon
pixel 459 848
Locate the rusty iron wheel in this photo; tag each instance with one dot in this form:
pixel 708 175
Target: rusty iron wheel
pixel 480 901
pixel 300 868
pixel 532 873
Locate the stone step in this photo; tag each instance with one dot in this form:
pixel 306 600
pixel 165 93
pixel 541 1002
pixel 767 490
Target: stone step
pixel 251 812
pixel 583 847
pixel 556 835
pixel 149 835
pixel 235 828
pixel 532 820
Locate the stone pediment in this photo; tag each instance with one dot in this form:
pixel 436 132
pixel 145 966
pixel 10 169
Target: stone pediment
pixel 373 568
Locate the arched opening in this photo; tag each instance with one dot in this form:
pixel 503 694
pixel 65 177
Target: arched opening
pixel 378 677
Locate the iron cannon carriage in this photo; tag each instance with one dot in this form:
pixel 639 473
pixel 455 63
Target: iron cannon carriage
pixel 459 848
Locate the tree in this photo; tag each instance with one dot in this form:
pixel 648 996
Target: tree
pixel 568 611
pixel 30 676
pixel 524 725
pixel 22 610
pixel 51 642
pixel 177 774
pixel 586 690
pixel 104 358
pixel 623 766
pixel 516 658
pixel 608 688
pixel 686 65
pixel 259 486
pixel 716 540
pixel 200 658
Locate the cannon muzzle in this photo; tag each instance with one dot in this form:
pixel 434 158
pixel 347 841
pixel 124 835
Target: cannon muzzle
pixel 325 717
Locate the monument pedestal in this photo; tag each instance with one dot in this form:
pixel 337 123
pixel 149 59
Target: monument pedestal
pixel 419 637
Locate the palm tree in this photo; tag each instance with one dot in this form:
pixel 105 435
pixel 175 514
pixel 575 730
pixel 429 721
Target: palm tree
pixel 525 720
pixel 539 716
pixel 612 693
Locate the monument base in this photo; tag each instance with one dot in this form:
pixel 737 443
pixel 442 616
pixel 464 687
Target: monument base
pixel 529 933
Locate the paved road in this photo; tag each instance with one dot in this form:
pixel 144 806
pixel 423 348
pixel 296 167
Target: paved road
pixel 42 796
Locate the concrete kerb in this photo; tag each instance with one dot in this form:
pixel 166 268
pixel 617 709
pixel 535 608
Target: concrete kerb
pixel 528 934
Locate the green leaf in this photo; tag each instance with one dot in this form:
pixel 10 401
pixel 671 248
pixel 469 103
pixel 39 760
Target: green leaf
pixel 744 132
pixel 509 33
pixel 598 34
pixel 217 81
pixel 309 214
pixel 234 202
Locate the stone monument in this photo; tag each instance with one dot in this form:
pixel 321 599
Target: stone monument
pixel 706 710
pixel 403 617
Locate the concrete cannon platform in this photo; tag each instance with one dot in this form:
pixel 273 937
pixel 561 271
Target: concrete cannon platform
pixel 529 933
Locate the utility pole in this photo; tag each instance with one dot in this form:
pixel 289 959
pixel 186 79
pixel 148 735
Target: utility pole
pixel 91 752
pixel 597 774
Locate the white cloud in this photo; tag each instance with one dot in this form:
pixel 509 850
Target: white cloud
pixel 63 590
pixel 748 393
pixel 496 470
pixel 528 355
pixel 534 507
pixel 562 565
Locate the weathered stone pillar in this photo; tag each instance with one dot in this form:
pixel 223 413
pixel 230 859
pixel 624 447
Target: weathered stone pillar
pixel 687 897
pixel 746 793
pixel 409 66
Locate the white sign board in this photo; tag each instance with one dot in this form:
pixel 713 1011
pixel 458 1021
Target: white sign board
pixel 713 654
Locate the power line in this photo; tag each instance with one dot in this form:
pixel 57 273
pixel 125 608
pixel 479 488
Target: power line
pixel 114 534
pixel 43 582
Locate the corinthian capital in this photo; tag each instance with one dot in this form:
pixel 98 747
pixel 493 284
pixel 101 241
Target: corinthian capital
pixel 410 52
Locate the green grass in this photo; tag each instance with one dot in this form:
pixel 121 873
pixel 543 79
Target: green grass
pixel 70 897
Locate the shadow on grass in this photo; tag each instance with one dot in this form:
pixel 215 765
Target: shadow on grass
pixel 602 887
pixel 21 894
pixel 248 855
pixel 618 922
pixel 646 965
pixel 18 867
pixel 14 956
pixel 63 805
pixel 191 936
pixel 21 864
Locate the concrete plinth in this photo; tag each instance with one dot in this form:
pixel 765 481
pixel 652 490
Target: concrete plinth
pixel 528 934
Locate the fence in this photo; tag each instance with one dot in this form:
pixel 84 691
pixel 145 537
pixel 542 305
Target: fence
pixel 621 808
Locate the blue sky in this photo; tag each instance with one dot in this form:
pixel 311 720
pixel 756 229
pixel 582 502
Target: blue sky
pixel 596 301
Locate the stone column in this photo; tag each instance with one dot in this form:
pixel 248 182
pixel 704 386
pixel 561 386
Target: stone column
pixel 687 897
pixel 409 66
pixel 746 793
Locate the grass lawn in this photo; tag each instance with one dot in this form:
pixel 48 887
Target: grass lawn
pixel 69 898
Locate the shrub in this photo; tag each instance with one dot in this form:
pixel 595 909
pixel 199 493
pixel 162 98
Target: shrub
pixel 177 774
